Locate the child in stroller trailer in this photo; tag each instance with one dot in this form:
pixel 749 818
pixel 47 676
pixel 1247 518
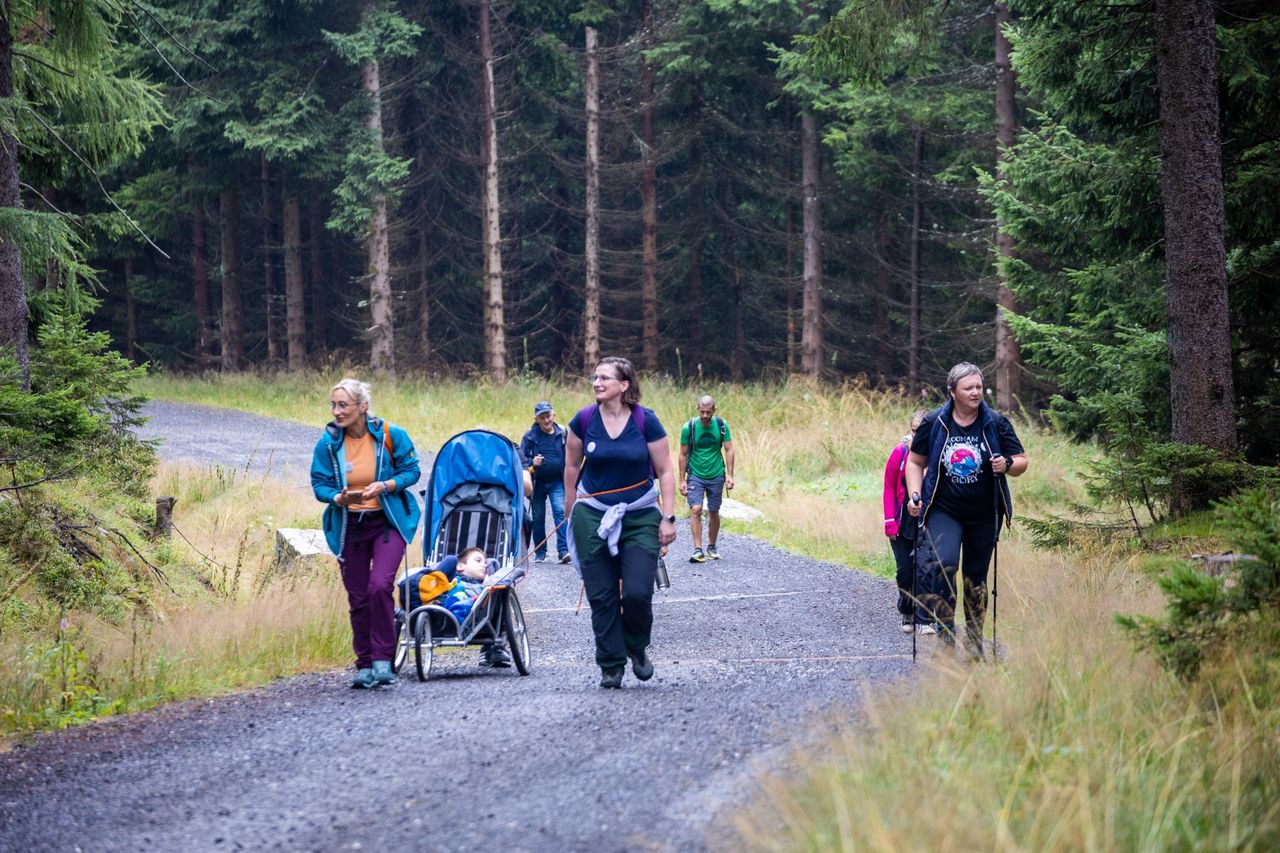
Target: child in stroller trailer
pixel 464 577
pixel 473 568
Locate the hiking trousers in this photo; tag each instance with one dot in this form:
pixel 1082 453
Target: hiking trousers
pixel 944 545
pixel 619 588
pixel 370 557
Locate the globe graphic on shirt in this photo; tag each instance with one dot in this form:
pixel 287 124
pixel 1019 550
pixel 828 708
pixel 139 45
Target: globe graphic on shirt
pixel 963 462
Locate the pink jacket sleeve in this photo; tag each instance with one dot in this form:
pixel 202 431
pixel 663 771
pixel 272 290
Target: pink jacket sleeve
pixel 894 491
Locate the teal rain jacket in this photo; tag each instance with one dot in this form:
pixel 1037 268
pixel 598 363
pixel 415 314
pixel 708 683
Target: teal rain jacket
pixel 399 462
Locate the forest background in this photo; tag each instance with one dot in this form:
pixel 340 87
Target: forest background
pixel 1080 197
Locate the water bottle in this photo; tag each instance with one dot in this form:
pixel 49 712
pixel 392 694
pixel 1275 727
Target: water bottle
pixel 661 580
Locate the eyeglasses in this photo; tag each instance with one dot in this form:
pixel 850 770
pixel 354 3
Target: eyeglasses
pixel 341 405
pixel 601 377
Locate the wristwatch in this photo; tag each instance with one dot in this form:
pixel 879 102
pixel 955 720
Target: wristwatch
pixel 670 518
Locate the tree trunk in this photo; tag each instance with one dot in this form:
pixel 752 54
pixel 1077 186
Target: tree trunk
pixel 591 328
pixel 295 305
pixel 917 226
pixel 200 286
pixel 495 345
pixel 811 310
pixel 130 313
pixel 790 228
pixel 319 283
pixel 739 363
pixel 424 282
pixel 697 233
pixel 382 344
pixel 882 327
pixel 13 291
pixel 1008 354
pixel 648 209
pixel 232 314
pixel 268 268
pixel 1192 199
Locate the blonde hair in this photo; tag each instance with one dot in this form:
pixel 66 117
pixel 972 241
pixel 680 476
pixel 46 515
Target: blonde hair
pixel 359 392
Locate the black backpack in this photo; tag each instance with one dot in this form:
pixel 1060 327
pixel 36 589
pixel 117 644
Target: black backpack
pixel 721 433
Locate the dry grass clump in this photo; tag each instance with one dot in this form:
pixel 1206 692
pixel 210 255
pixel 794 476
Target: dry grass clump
pixel 227 615
pixel 1074 742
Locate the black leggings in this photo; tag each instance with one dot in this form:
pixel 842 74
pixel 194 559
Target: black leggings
pixel 944 545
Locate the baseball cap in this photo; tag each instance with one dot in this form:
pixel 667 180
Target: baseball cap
pixel 541 408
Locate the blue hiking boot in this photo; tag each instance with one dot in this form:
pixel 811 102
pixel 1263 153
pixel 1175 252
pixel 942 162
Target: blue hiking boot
pixel 382 673
pixel 363 679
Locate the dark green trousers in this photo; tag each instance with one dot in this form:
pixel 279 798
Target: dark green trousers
pixel 620 589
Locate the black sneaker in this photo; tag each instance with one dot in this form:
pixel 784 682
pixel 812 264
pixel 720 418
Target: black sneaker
pixel 908 624
pixel 564 559
pixel 495 656
pixel 611 678
pixel 641 666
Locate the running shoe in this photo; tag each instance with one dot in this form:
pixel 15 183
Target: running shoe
pixel 712 553
pixel 698 556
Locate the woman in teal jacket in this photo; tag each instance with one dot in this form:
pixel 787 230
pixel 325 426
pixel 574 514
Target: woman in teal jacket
pixel 361 470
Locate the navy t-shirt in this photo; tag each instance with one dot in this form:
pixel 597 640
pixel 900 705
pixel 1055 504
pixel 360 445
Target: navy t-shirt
pixel 966 485
pixel 613 463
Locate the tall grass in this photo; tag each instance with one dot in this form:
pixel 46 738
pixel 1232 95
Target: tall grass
pixel 227 617
pixel 1074 743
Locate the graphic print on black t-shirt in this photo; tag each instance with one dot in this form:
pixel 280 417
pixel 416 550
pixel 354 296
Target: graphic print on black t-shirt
pixel 966 487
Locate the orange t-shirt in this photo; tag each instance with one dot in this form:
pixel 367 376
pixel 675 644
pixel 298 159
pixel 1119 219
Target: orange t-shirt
pixel 362 471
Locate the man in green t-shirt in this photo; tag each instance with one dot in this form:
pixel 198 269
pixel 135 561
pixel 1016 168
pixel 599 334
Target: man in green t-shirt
pixel 706 470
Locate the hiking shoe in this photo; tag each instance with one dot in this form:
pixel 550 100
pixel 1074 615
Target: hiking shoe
pixel 496 656
pixel 564 559
pixel 363 679
pixel 698 556
pixel 641 666
pixel 712 553
pixel 908 624
pixel 382 673
pixel 612 677
pixel 539 558
pixel 928 629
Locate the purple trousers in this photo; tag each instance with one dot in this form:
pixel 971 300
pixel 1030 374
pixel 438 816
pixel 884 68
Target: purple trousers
pixel 370 556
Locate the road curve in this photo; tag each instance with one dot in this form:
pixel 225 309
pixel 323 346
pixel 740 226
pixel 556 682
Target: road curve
pixel 752 653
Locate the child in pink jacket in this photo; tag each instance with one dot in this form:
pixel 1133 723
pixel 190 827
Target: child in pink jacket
pixel 899 526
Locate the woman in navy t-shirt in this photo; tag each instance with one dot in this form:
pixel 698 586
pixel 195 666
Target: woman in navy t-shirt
pixel 618 520
pixel 956 482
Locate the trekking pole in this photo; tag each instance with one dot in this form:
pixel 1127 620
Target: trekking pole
pixel 915 574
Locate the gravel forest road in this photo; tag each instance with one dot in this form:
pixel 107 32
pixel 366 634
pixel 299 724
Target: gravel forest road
pixel 754 653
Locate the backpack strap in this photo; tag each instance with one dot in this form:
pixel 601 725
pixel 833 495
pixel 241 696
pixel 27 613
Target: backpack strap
pixel 719 432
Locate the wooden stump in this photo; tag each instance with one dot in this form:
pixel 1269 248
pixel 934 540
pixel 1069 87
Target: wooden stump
pixel 164 518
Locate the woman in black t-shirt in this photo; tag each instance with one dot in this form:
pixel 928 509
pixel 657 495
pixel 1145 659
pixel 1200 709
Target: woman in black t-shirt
pixel 956 481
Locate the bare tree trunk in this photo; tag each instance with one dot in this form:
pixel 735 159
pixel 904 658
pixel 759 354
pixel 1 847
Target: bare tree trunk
pixel 648 209
pixel 268 268
pixel 917 225
pixel 294 286
pixel 382 350
pixel 319 283
pixel 1008 354
pixel 811 312
pixel 130 313
pixel 200 284
pixel 13 291
pixel 424 288
pixel 495 345
pixel 790 227
pixel 1201 389
pixel 232 313
pixel 591 328
pixel 881 326
pixel 739 362
pixel 697 232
